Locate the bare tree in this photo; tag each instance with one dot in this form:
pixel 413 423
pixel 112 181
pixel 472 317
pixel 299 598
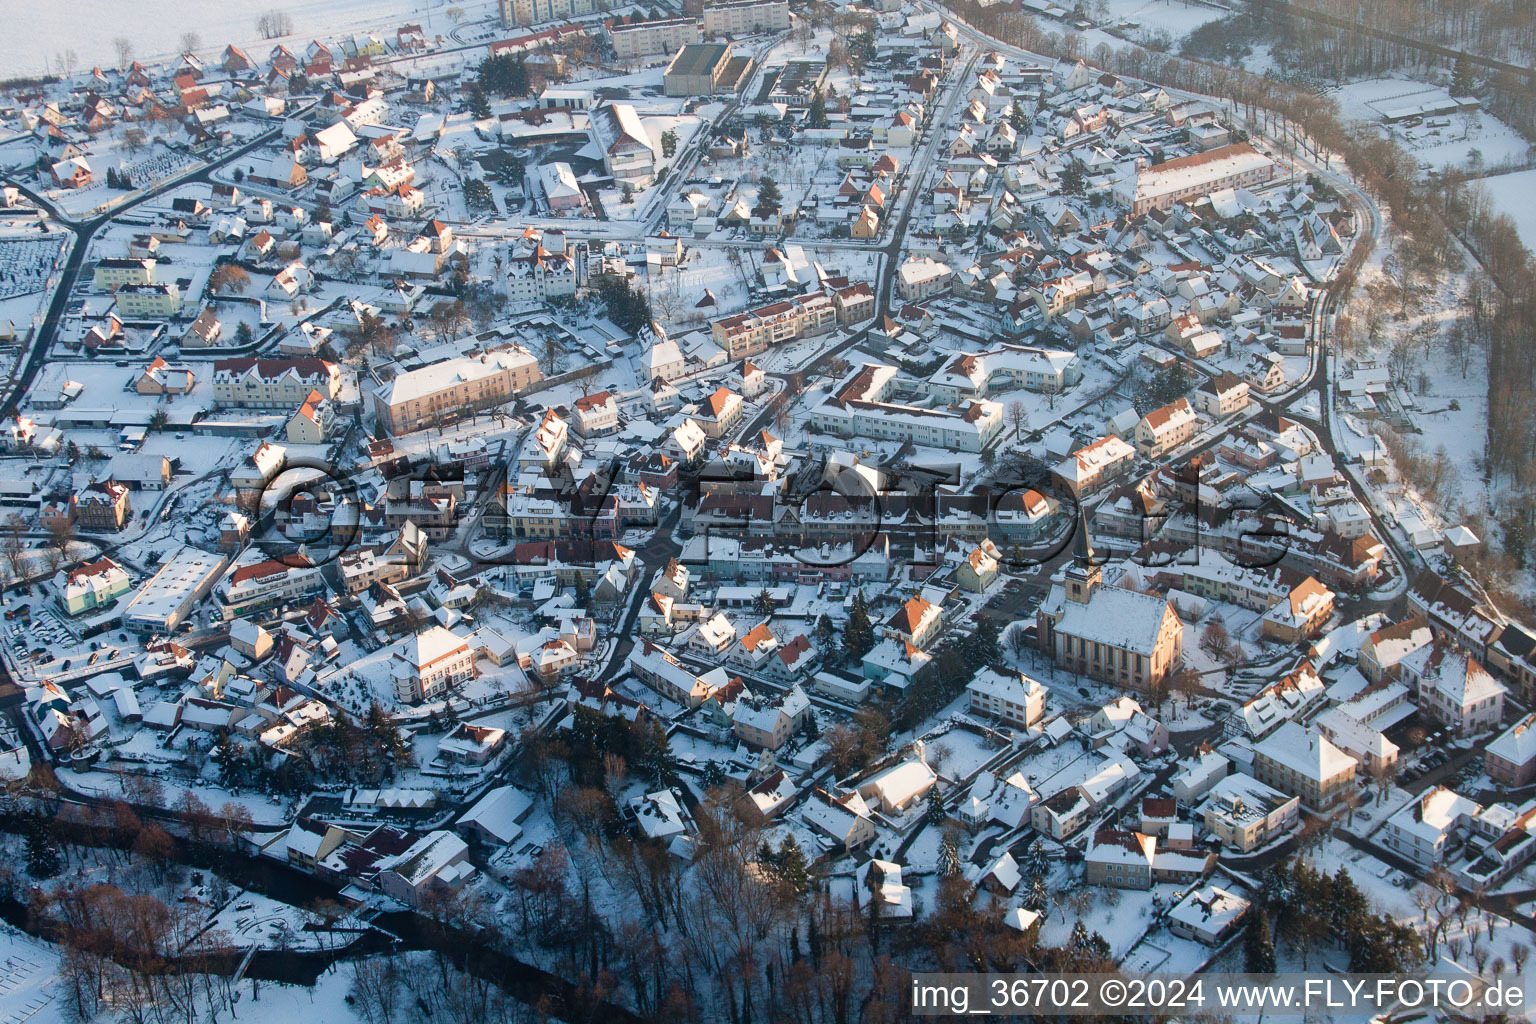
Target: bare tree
pixel 123 46
pixel 190 41
pixel 1018 415
pixel 15 545
pixel 229 277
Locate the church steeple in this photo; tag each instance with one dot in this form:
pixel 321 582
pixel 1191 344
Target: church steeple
pixel 1082 544
pixel 1083 574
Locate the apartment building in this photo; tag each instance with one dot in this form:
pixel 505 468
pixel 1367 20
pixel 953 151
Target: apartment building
pixel 1188 178
pixel 534 12
pixel 273 383
pixel 156 301
pixel 666 35
pixel 803 316
pixel 859 407
pixel 115 272
pixel 746 17
pixel 1011 697
pixel 257 584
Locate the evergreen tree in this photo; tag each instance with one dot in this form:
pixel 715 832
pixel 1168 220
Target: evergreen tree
pixel 1347 906
pixel 858 634
pixel 793 868
pixel 1259 944
pixel 713 775
pixel 762 604
pixel 1017 118
pixel 1073 181
pixel 227 756
pixel 1038 896
pixel 949 855
pixel 935 805
pixel 768 192
pixel 583 590
pixel 504 75
pixel 1079 942
pixel 1037 861
pixel 981 647
pixel 1461 78
pixel 824 635
pixel 817 118
pixel 42 849
pixel 655 760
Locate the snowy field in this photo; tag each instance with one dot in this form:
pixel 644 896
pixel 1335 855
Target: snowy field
pixel 1512 194
pixel 1473 140
pixel 38 33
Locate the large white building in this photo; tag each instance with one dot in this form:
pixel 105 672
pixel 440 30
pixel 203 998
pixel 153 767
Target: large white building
pixel 429 663
pixel 746 17
pixel 1006 368
pixel 166 599
pixel 1188 178
pixel 453 387
pixel 1011 697
pixel 665 35
pixel 273 383
pixel 859 408
pixel 921 278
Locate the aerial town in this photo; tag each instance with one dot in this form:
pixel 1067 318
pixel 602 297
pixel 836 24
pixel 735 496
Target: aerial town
pixel 552 510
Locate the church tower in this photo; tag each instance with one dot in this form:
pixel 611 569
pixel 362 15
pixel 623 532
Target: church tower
pixel 1084 574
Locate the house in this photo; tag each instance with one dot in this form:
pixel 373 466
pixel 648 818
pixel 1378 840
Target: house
pixel 979 569
pixel 844 820
pixel 1208 915
pixel 437 861
pixel 1301 614
pixel 91 585
pixel 1511 758
pixel 1011 697
pixel 917 622
pixel 1304 764
pixel 877 884
pixel 1454 687
pixel 496 818
pixel 1222 395
pixel 897 788
pixel 1423 829
pixel 102 507
pixel 1164 429
pixel 628 154
pixel 1120 858
pixel 768 725
pixel 73 172
pixel 202 332
pixel 1246 814
pixel 430 662
pixel 313 421
pixel 160 378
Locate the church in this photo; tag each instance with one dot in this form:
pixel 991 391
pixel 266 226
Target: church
pixel 1104 632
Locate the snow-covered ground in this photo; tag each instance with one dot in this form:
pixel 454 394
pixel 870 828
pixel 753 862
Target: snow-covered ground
pixel 36 35
pixel 1512 194
pixel 1468 140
